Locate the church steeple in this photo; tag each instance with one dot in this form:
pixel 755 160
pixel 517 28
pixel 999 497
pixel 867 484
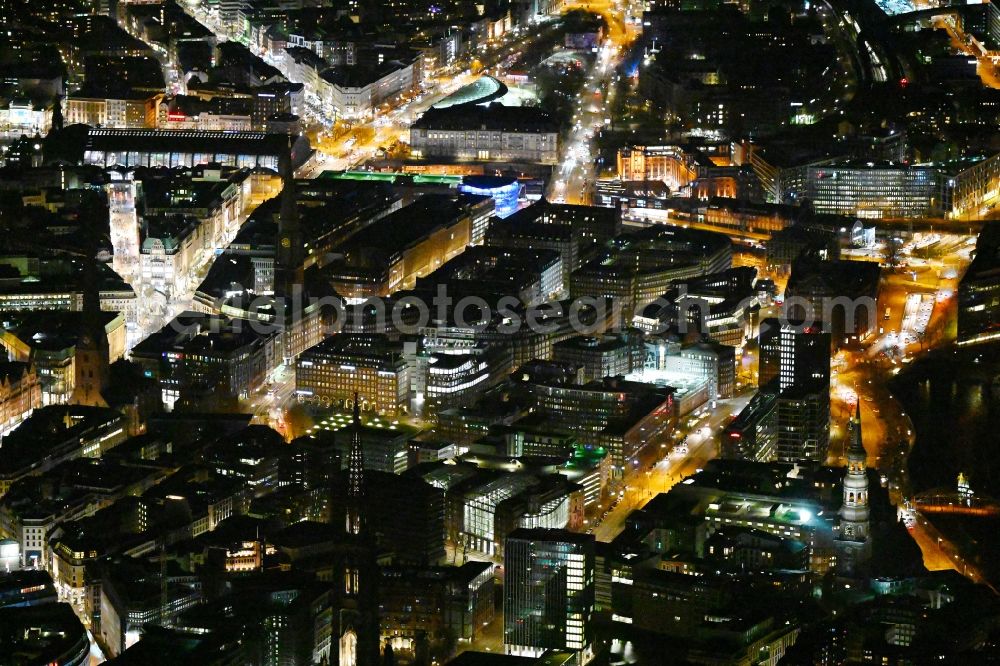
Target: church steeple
pixel 856 448
pixel 92 354
pixel 355 476
pixel 289 260
pixel 855 545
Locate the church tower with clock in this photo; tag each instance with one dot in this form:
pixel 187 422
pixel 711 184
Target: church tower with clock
pixel 854 538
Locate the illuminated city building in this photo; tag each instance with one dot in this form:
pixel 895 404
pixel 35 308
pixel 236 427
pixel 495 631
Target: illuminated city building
pixel 803 423
pixel 752 434
pixel 533 276
pixel 979 290
pixel 198 352
pixel 188 148
pixel 793 354
pixel 795 366
pixel 505 192
pixel 172 247
pixel 344 366
pixel 53 283
pixel 721 306
pixel 548 592
pixel 20 394
pixel 120 112
pixel 705 172
pixel 697 366
pixel 629 419
pixel 640 266
pixel 601 356
pixel 840 294
pixel 973 184
pixel 391 253
pixel 568 229
pixel 672 165
pixel 437 601
pixel 49 341
pixel 449 379
pixel 493 504
pixel 875 190
pixel 56 433
pixel 492 133
pixel 357 91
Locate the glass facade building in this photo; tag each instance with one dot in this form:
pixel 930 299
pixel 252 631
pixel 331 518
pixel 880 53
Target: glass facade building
pixel 505 192
pixel 549 591
pixel 875 191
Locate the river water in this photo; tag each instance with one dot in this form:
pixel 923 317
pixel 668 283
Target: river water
pixel 953 398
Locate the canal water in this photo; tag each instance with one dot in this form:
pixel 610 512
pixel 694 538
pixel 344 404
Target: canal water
pixel 953 398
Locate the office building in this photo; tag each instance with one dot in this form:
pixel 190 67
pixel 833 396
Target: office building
pixel 343 366
pixel 357 91
pixel 841 294
pixel 803 423
pixel 197 353
pixel 55 434
pixel 640 266
pixel 391 253
pixel 629 419
pixel 752 435
pixel 610 355
pixel 794 366
pixel 721 306
pixel 876 190
pixel 532 276
pixel 793 354
pixel 979 290
pixel 20 394
pixel 438 601
pixel 486 505
pixel 119 111
pixel 548 592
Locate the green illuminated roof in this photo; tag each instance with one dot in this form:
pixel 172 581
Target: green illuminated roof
pixel 438 180
pixel 586 456
pixel 392 177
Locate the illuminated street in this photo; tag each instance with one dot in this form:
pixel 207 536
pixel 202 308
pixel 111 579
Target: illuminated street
pixel 548 332
pixel 576 176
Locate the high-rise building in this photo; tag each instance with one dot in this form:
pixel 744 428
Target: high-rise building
pixel 549 591
pixel 979 290
pixel 752 435
pixel 795 365
pixel 841 294
pixel 793 354
pixel 803 423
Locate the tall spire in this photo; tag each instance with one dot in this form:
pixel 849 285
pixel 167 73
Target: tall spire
pixel 290 245
pixel 355 475
pixel 856 448
pixel 92 353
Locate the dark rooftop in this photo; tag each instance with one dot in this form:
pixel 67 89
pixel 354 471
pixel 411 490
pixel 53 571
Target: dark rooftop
pixel 495 117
